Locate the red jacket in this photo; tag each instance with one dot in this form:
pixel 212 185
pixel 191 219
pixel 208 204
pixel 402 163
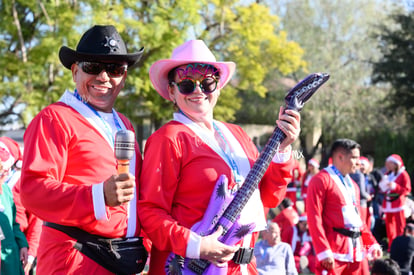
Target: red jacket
pixel 395 197
pixel 330 205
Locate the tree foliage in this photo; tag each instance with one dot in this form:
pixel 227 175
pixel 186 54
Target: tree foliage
pixel 32 34
pixel 394 67
pixel 335 36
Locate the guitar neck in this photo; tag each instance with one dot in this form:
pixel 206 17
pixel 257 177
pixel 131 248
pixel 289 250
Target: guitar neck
pixel 254 176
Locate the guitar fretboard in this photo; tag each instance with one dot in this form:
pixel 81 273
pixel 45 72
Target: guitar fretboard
pixel 254 176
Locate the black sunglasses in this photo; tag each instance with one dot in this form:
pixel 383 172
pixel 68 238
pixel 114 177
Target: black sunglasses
pixel 187 86
pixel 95 68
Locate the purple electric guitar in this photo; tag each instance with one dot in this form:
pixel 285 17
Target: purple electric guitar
pixel 224 208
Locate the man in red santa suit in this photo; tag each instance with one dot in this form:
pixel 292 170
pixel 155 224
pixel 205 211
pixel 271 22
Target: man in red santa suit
pixel 395 185
pixel 301 242
pixel 339 236
pixel 69 173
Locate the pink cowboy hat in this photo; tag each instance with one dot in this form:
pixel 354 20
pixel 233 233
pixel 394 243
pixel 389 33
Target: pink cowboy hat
pixel 193 51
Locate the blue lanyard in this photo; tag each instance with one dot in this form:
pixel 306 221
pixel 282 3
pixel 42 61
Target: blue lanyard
pixel 347 184
pixel 230 159
pixel 107 129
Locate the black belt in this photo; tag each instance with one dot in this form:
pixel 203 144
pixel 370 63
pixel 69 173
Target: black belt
pixel 348 233
pixel 243 255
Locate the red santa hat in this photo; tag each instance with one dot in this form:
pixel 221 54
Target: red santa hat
pixel 303 217
pixel 5 159
pixel 314 163
pixel 13 148
pixel 396 159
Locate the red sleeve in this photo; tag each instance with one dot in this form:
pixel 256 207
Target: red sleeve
pixel 403 184
pixel 287 235
pixel 43 172
pixel 314 209
pixel 157 194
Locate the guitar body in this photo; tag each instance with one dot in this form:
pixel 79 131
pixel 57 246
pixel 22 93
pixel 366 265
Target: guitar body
pixel 224 208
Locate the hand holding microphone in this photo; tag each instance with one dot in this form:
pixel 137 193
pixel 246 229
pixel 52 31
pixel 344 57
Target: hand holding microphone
pixel 119 189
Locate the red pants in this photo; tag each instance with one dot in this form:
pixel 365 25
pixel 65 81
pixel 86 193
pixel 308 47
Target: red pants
pixel 340 268
pixel 394 225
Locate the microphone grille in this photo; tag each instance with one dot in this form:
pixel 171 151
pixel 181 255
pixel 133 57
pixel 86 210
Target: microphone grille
pixel 124 144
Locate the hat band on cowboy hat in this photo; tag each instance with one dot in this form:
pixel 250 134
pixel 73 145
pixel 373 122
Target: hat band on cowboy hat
pixel 99 43
pixel 192 51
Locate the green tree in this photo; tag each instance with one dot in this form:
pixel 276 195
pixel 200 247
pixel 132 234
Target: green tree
pixel 336 38
pixel 394 67
pixel 33 76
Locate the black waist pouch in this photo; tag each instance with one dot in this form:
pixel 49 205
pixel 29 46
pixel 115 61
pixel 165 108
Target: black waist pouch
pixel 121 256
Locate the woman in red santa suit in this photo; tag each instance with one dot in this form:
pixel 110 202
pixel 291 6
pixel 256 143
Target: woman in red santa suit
pixel 340 238
pixel 396 185
pixel 312 169
pixel 184 159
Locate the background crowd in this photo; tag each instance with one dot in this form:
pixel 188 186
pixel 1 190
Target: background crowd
pixel 385 207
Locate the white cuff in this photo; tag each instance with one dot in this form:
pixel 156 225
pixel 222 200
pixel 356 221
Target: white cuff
pixel 393 185
pixel 373 247
pixel 193 246
pixel 282 157
pixel 31 258
pixel 98 199
pixel 324 254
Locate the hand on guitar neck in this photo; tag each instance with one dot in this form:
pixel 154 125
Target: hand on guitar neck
pixel 289 124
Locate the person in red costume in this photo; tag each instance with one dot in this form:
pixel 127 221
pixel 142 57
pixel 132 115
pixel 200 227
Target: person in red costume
pixel 311 170
pixel 340 238
pixel 287 217
pixel 69 173
pixel 14 148
pixel 292 188
pixel 30 225
pixel 299 239
pixel 395 185
pixel 184 159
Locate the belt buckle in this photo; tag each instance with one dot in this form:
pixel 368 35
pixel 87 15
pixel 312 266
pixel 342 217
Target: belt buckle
pixel 243 255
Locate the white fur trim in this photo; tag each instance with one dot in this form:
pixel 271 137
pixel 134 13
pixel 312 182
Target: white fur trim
pixel 313 163
pixel 282 157
pixel 325 254
pixel 391 158
pixel 98 199
pixel 193 246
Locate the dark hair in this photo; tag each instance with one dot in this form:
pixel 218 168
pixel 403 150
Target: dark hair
pixel 409 227
pixel 370 158
pixel 344 144
pixel 385 267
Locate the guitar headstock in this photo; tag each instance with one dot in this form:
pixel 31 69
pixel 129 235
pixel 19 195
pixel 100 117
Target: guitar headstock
pixel 298 95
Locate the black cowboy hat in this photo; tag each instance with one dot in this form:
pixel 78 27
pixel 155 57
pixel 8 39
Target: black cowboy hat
pixel 99 43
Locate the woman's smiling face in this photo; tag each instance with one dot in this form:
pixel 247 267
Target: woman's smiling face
pixel 197 105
